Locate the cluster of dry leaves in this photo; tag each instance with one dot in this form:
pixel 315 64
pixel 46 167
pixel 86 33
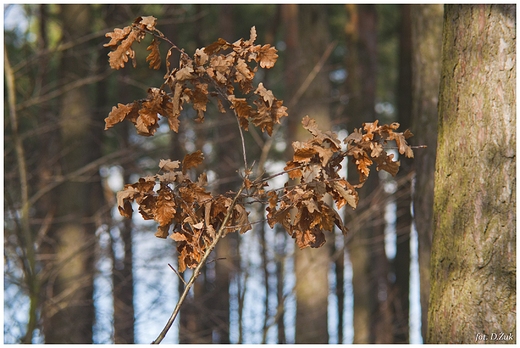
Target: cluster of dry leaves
pixel 175 202
pixel 213 71
pixel 303 209
pixel 182 206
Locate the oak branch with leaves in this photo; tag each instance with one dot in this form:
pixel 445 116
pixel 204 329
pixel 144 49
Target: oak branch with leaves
pixel 181 205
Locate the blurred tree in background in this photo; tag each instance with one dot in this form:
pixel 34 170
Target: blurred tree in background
pixel 76 272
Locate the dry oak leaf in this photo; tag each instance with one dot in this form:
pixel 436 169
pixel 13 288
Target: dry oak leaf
pixel 119 113
pixel 201 57
pixel 124 199
pixel 116 36
pixel 266 116
pixel 185 73
pixel 243 71
pixel 266 94
pixel 387 164
pixel 293 169
pixel 216 46
pixel 266 55
pixel 252 36
pixel 240 219
pixel 194 193
pixel 347 194
pixel 168 165
pixel 120 55
pixel 173 118
pixel 165 206
pixel 192 160
pixel 400 139
pixel 162 231
pixel 138 192
pixel 155 56
pixel 310 125
pixel 148 121
pixel 242 109
pixel 146 21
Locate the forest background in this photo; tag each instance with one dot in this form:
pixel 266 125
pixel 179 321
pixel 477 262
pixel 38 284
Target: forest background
pixel 69 257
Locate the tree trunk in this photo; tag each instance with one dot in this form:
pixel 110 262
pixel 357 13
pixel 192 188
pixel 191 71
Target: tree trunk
pixel 311 265
pixel 68 315
pixel 370 267
pixel 426 43
pixel 473 289
pixel 401 262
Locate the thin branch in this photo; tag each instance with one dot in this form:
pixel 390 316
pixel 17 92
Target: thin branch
pixel 31 277
pixel 196 271
pixel 65 88
pixel 179 275
pixel 243 144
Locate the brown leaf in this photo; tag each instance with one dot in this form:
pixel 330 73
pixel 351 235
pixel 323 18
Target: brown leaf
pixel 124 200
pixel 168 165
pixel 355 137
pixel 178 237
pixel 216 46
pixel 267 56
pixel 347 194
pixel 173 118
pixel 116 36
pixel 199 99
pixel 331 137
pixel 363 164
pixel 266 94
pixel 120 55
pixel 243 72
pixel 119 113
pixel 147 122
pixel 155 56
pixel 147 22
pixel 242 109
pixel 293 170
pixel 387 164
pixel 162 231
pixel 400 139
pixel 185 73
pixel 192 160
pixel 240 219
pixel 201 57
pixel 252 36
pixel 220 106
pixel 304 154
pixel 195 193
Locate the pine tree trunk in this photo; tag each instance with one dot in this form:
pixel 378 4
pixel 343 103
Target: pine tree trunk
pixel 311 265
pixel 68 315
pixel 426 43
pixel 473 289
pixel 401 262
pixel 370 267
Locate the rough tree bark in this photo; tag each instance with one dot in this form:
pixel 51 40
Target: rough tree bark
pixel 473 283
pixel 426 43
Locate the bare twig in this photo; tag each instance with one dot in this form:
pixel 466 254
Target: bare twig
pixel 179 275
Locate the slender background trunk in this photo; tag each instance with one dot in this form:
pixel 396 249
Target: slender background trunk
pixel 426 42
pixel 401 262
pixel 73 240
